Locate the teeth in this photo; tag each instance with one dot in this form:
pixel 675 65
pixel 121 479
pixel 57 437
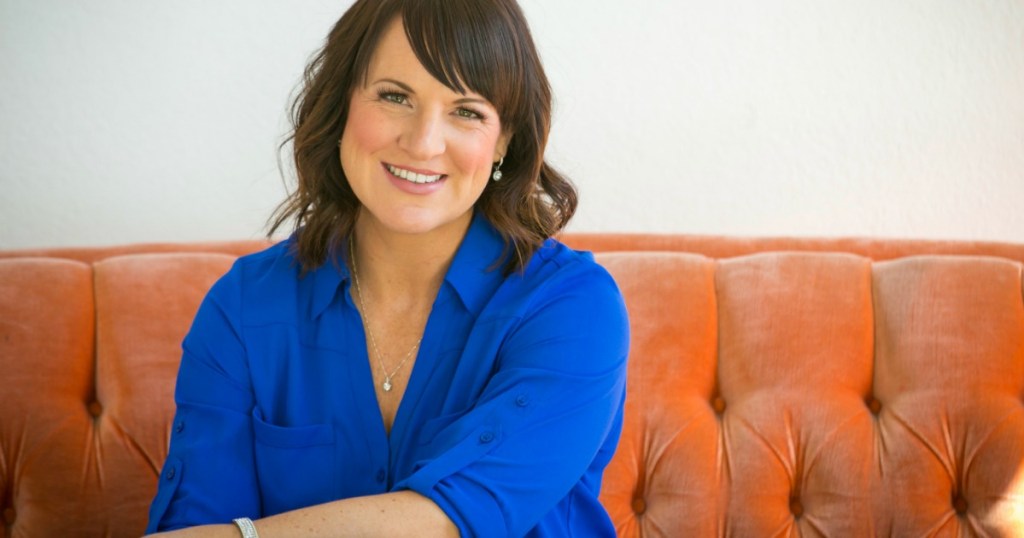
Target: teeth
pixel 413 176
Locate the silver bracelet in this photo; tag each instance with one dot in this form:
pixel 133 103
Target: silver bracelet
pixel 246 527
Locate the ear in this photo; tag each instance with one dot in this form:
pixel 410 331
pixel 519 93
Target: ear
pixel 501 148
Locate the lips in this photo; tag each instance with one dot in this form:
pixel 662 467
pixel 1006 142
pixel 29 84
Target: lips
pixel 413 177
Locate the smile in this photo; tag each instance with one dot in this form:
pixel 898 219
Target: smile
pixel 414 177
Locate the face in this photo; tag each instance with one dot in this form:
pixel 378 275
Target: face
pixel 416 153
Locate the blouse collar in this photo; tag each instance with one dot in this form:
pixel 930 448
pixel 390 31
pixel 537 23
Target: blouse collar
pixel 475 271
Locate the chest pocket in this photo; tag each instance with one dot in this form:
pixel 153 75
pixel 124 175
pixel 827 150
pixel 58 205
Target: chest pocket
pixel 296 465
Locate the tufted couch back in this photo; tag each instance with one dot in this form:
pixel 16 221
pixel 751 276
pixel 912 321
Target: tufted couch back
pixel 776 386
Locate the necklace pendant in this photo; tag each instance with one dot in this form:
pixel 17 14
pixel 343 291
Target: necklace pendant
pixel 387 384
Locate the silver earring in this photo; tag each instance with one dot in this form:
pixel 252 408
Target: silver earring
pixel 496 176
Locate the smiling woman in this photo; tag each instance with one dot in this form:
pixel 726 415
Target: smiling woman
pixel 417 153
pixel 420 357
pixel 480 56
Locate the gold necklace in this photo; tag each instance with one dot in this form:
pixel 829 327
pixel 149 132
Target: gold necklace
pixel 366 325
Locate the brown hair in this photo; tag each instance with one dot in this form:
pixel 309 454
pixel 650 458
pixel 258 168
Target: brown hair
pixel 481 45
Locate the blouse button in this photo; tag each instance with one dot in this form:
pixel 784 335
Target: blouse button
pixel 170 473
pixel 179 426
pixel 522 400
pixel 486 437
pixel 381 475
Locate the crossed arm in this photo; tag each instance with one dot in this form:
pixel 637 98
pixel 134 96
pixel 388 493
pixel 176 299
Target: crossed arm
pixel 401 513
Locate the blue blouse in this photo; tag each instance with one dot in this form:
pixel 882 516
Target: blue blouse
pixel 513 408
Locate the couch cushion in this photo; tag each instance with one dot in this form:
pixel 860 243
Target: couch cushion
pixel 46 442
pixel 92 435
pixel 794 367
pixel 144 306
pixel 663 479
pixel 813 393
pixel 948 449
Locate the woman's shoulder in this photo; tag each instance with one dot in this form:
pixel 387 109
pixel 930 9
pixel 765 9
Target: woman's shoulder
pixel 263 281
pixel 268 259
pixel 559 274
pixel 274 263
pixel 555 262
pixel 564 295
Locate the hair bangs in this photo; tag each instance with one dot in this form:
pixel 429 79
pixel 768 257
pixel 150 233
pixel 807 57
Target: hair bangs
pixel 465 47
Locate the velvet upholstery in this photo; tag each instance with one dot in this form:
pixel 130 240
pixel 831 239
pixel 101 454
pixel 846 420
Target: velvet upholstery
pixel 834 387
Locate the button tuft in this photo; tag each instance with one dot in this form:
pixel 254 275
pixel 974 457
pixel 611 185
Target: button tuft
pixel 95 409
pixel 639 506
pixel 796 508
pixel 875 406
pixel 960 505
pixel 718 404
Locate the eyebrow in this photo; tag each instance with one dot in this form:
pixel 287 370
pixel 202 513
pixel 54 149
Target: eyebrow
pixel 406 88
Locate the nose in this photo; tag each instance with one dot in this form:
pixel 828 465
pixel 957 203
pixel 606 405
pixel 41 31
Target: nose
pixel 423 137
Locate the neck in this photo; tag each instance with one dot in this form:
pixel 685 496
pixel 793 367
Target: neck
pixel 401 268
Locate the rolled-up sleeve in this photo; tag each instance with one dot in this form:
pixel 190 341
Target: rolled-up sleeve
pixel 537 428
pixel 208 475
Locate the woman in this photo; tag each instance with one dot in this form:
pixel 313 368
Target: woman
pixel 418 358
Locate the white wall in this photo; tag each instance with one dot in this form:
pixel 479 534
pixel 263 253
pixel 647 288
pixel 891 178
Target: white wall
pixel 127 120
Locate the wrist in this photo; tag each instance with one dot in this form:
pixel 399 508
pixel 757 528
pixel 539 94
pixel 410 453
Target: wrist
pixel 246 527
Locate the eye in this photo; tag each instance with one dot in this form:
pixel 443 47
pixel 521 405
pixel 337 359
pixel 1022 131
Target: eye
pixel 391 96
pixel 468 113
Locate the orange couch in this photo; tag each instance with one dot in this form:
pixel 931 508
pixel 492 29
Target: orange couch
pixel 836 387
